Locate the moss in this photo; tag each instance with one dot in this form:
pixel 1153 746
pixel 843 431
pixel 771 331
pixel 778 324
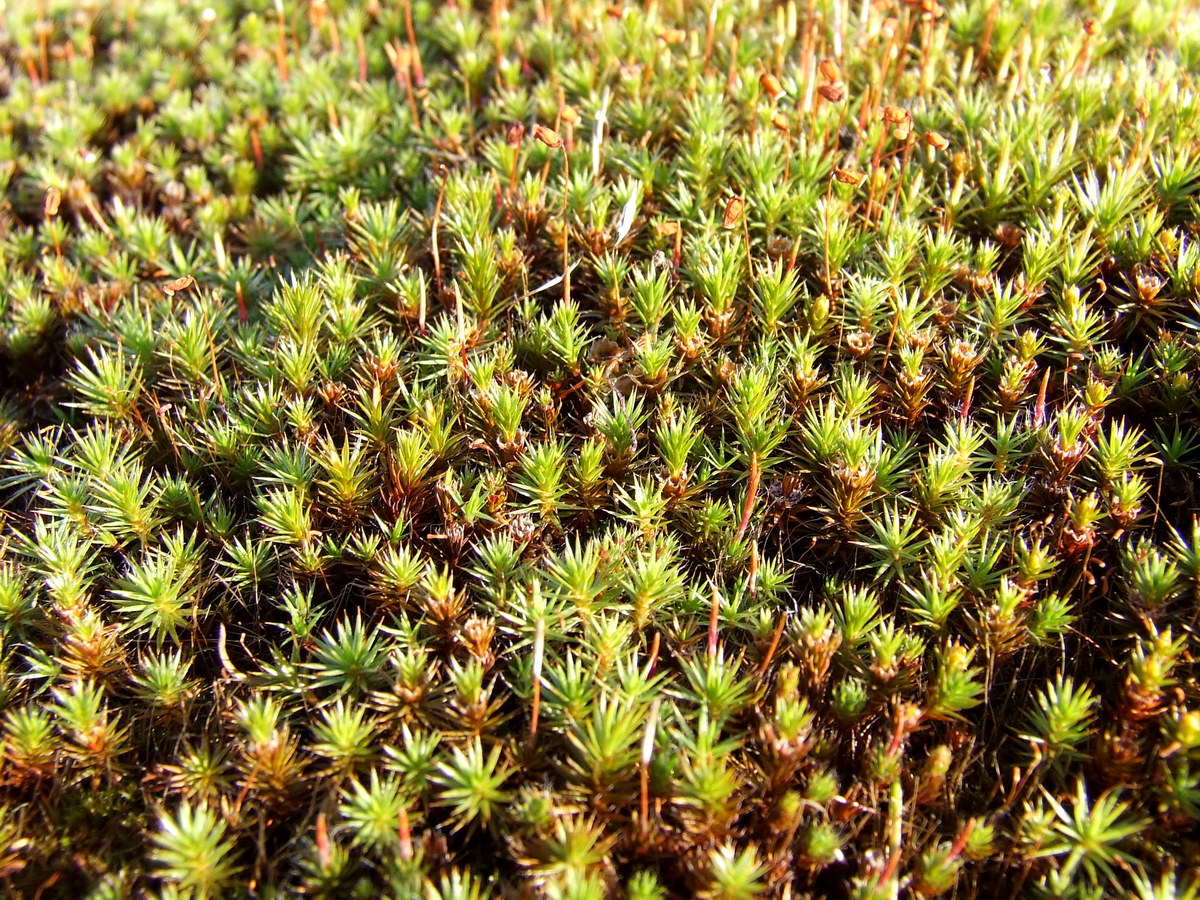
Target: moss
pixel 584 450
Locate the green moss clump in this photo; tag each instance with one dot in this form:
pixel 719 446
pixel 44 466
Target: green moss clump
pixel 583 449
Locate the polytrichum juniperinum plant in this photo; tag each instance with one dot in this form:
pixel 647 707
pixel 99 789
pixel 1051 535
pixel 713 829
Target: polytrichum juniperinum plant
pixel 578 449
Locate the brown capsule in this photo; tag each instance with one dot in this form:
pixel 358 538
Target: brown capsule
pixel 666 229
pixel 516 134
pixel 733 211
pixel 1091 27
pixel 829 71
pixel 859 343
pixel 569 114
pixel 603 350
pixel 780 121
pixel 834 93
pixel 779 247
pixel 902 132
pixel 1008 234
pixel 895 115
pixel 936 140
pixel 1147 283
pixel 673 36
pixel 53 199
pixel 547 136
pixel 182 283
pixel 771 85
pixel 849 176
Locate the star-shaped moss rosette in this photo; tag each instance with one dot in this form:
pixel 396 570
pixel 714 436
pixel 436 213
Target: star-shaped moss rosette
pixel 594 450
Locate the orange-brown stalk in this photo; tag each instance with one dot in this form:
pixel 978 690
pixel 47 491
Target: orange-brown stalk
pixel 751 493
pixel 418 69
pixel 281 49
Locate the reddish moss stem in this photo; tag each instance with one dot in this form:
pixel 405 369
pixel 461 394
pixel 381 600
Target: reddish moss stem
pixel 751 493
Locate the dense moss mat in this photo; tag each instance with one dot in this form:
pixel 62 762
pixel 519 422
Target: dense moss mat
pixel 582 450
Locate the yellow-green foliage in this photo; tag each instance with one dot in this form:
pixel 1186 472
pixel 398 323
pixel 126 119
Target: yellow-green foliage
pixel 584 449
